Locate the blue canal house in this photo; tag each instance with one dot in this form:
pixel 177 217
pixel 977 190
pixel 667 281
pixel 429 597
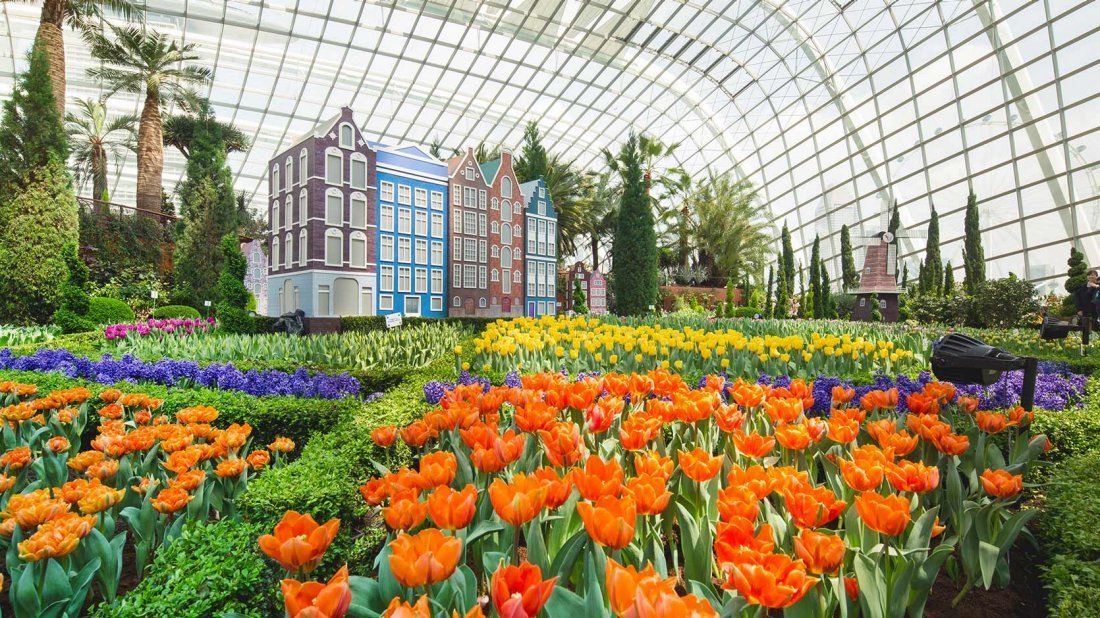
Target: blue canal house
pixel 542 249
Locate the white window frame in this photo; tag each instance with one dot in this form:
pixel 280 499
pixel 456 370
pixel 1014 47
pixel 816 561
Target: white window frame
pixel 276 216
pixel 404 279
pixel 357 158
pixel 404 195
pixel 420 251
pixel 482 224
pixel 469 223
pixel 385 302
pixel 483 277
pixel 437 303
pixel 506 187
pixel 456 195
pixel 437 281
pixel 404 221
pixel 437 225
pixel 420 197
pixel 404 250
pixel 437 253
pixel 386 246
pixel 386 191
pixel 437 200
pixel 420 280
pixel 469 250
pixel 303 207
pixel 417 300
pixel 329 219
pixel 385 219
pixel 303 166
pixel 421 223
pixel 303 247
pixel 361 200
pixel 346 129
pixel 358 258
pixel 469 276
pixel 330 155
pixel 339 259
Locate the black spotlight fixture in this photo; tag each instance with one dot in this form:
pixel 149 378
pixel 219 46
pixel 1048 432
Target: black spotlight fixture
pixel 962 359
pixel 1053 329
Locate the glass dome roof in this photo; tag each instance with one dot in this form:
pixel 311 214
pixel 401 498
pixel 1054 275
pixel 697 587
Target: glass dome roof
pixel 833 108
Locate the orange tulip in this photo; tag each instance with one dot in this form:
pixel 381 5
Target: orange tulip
pixel 400 609
pixel 753 444
pixel 788 478
pixel 520 501
pixel 952 444
pixel 737 501
pixel 1020 416
pixel 384 436
pixel 991 422
pixel 653 463
pixel 519 591
pixel 748 395
pixel 450 509
pixel 623 582
pixel 417 433
pixel 230 468
pixel 879 400
pixel 755 478
pixel 558 488
pixel 649 492
pixel 598 418
pixel 561 443
pixel 782 409
pixel 843 430
pixel 813 507
pixel 610 522
pixel 822 553
pixel 929 427
pixel 99 498
pixel 729 418
pixel 1001 484
pixel 861 476
pixel 425 558
pixel 842 395
pixel 919 403
pixel 913 476
pixel 405 511
pixel 598 478
pixel 771 580
pixel 901 443
pixel 967 404
pixel 317 600
pixel 56 538
pixel 851 588
pixel 171 500
pixel 653 600
pixel 699 466
pixel 298 542
pixel 535 415
pixel 886 514
pixel 637 431
pixel 739 533
pixel 793 436
pixel 438 468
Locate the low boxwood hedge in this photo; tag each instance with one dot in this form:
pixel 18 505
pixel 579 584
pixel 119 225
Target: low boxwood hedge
pixel 168 312
pixel 1072 431
pixel 367 323
pixel 1071 538
pixel 211 569
pixel 103 310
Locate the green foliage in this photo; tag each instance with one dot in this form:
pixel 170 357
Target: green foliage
pixel 1072 587
pixel 109 311
pixel 849 274
pixel 1003 303
pixel 973 254
pixel 948 279
pixel 580 302
pixel 1069 533
pixel 1074 431
pixel 1076 275
pixel 745 312
pixel 25 335
pixel 133 285
pixel 210 569
pixel 532 162
pixel 818 304
pixel 768 296
pixel 32 136
pixel 634 270
pixel 233 296
pixel 35 227
pixel 123 245
pixel 876 313
pixel 787 262
pixel 175 311
pixel 368 323
pixel 71 314
pixel 209 211
pixel 929 309
pixel 895 221
pixel 932 273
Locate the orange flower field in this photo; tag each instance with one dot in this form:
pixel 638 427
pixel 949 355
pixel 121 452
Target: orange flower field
pixel 60 507
pixel 638 495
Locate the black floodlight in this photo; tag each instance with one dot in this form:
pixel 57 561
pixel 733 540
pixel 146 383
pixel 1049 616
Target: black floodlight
pixel 1053 328
pixel 962 359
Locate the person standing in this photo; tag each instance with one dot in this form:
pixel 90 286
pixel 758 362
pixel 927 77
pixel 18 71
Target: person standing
pixel 1086 297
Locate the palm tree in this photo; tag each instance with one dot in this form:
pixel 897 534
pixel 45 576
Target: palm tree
pixel 484 152
pixel 94 138
pixel 601 210
pixel 567 189
pixel 81 15
pixel 733 232
pixel 147 62
pixel 179 129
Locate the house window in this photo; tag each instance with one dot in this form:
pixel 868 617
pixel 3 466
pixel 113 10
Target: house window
pixel 421 223
pixel 481 195
pixel 530 283
pixel 456 220
pixel 412 305
pixel 506 282
pixel 517 276
pixel 421 198
pixel 275 186
pixel 881 304
pixel 404 250
pixel 346 136
pixel 469 226
pixel 385 278
pixel 482 228
pixel 358 171
pixel 437 303
pixel 437 253
pixel 404 279
pixel 481 244
pixel 303 254
pixel 366 301
pixel 481 302
pixel 334 248
pixel 469 173
pixel 275 218
pixel 387 248
pixel 542 191
pixel 274 254
pixel 421 251
pixel 323 299
pixel 457 244
pixel 495 227
pixel 303 166
pixel 506 187
pixel 358 250
pixel 385 302
pixel 288 212
pixel 506 211
pixel 288 254
pixel 421 280
pixel 333 172
pixel 404 194
pixel 358 210
pixel 387 191
pixel 289 178
pixel 469 250
pixel 437 281
pixel 515 207
pixel 496 275
pixel 863 302
pixel 506 257
pixel 437 200
pixel 530 243
pixel 385 222
pixel 551 239
pixel 456 195
pixel 437 225
pixel 456 277
pixel 303 207
pixel 506 234
pixel 496 251
pixel 469 197
pixel 481 277
pixel 404 221
pixel 469 276
pixel 496 204
pixel 334 207
pixel 456 301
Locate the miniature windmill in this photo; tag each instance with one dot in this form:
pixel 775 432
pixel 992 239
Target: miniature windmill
pixel 880 270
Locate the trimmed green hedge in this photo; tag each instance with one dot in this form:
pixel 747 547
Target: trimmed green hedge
pixel 168 312
pixel 1070 536
pixel 369 323
pixel 212 568
pixel 103 310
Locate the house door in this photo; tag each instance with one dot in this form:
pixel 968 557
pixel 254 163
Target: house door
pixel 469 307
pixel 506 305
pixel 531 309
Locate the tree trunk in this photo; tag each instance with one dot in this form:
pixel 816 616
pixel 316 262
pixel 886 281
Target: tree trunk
pixel 49 33
pixel 595 251
pixel 150 154
pixel 99 177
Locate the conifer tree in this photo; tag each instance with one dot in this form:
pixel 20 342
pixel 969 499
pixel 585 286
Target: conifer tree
pixel 782 294
pixel 32 134
pixel 532 162
pixel 815 278
pixel 904 276
pixel 933 263
pixel 801 291
pixel 895 221
pixel 850 275
pixel 232 295
pixel 768 296
pixel 1076 275
pixel 580 301
pixel 973 254
pixel 634 245
pixel 787 262
pixel 828 303
pixel 209 211
pixel 876 313
pixel 948 279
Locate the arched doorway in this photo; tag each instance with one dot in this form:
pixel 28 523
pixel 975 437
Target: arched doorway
pixel 346 296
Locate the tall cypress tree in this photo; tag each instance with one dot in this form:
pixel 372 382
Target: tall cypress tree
pixel 532 162
pixel 787 261
pixel 209 209
pixel 933 264
pixel 895 221
pixel 849 274
pixel 782 294
pixel 904 276
pixel 828 303
pixel 232 295
pixel 635 242
pixel 815 278
pixel 38 211
pixel 768 296
pixel 1076 275
pixel 948 279
pixel 973 254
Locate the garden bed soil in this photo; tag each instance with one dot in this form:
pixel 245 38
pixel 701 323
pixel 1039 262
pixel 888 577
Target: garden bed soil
pixel 1023 598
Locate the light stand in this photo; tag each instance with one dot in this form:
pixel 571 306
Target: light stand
pixel 962 359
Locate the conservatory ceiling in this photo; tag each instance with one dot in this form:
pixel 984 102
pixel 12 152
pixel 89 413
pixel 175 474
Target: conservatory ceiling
pixel 833 108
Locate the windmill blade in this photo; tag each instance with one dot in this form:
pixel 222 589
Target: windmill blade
pixel 891 259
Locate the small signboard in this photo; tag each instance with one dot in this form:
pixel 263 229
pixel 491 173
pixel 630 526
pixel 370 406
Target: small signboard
pixel 393 320
pixel 154 294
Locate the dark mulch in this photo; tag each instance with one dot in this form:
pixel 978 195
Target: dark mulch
pixel 1024 598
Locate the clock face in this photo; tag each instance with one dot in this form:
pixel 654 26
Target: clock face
pixel 887 237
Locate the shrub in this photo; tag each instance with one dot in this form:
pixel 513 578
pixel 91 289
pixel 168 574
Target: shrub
pixel 102 310
pixel 1072 587
pixel 1068 528
pixel 1072 431
pixel 232 295
pixel 745 312
pixel 209 570
pixel 175 311
pixel 931 309
pixel 1003 303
